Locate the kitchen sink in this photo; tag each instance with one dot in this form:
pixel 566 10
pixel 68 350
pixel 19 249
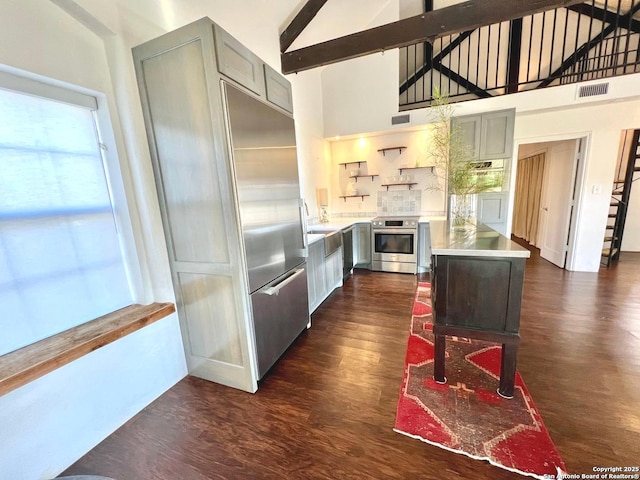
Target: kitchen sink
pixel 332 240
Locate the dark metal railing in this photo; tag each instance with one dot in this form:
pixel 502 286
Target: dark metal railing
pixel 567 45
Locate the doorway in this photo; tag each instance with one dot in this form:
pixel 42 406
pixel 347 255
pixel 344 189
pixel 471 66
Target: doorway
pixel 545 196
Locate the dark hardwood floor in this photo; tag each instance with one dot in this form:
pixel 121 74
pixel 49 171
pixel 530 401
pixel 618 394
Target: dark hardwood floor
pixel 327 409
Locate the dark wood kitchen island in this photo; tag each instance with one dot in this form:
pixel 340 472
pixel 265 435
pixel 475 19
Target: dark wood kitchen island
pixel 476 282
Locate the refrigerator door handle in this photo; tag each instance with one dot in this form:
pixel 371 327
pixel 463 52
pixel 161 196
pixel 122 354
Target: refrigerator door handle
pixel 303 223
pixel 275 289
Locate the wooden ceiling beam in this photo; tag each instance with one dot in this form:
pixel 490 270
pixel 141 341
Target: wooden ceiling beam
pixel 299 23
pixel 420 28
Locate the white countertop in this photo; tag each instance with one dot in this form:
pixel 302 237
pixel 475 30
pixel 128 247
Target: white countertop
pixel 314 237
pixel 337 224
pixel 431 219
pixel 482 242
pixel 344 222
pixel 332 226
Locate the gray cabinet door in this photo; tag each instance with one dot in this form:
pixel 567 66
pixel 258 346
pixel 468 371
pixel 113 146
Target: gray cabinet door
pixel 334 270
pixel 278 89
pixel 469 129
pixel 489 136
pixel 362 245
pixel 316 275
pixel 496 139
pixel 424 246
pixel 238 63
pixel 493 209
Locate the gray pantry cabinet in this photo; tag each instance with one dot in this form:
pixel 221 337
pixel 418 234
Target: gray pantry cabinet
pixel 179 77
pixel 489 135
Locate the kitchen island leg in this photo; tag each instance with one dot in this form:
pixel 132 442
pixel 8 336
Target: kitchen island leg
pixel 508 369
pixel 438 359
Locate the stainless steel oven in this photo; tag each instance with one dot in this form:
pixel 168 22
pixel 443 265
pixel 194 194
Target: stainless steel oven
pixel 394 244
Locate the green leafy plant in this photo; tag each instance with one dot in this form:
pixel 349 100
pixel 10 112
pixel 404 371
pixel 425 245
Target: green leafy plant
pixel 452 157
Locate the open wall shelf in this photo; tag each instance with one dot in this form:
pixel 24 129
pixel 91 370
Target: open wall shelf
pixel 363 176
pixel 415 168
pixel 352 163
pixel 397 185
pixel 354 196
pixel 386 149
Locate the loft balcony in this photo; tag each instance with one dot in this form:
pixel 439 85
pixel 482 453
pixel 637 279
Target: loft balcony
pixel 587 41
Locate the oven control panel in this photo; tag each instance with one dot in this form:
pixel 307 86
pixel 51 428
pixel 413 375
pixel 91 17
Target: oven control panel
pixel 394 223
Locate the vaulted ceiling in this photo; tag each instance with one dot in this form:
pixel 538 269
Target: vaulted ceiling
pixel 428 26
pixel 478 48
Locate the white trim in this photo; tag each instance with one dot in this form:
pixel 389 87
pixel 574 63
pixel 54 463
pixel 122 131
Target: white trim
pixel 29 86
pixel 119 201
pixel 580 180
pixel 535 152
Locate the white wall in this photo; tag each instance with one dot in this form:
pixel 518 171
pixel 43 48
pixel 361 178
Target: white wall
pixel 313 149
pixel 56 419
pixel 360 95
pixel 88 43
pixel 365 149
pixel 602 125
pixel 49 423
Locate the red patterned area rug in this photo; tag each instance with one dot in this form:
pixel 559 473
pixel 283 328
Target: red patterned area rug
pixel 466 415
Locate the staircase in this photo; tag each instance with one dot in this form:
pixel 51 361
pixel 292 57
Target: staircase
pixel 620 198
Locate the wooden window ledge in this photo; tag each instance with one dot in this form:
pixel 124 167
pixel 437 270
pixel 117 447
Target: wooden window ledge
pixel 22 366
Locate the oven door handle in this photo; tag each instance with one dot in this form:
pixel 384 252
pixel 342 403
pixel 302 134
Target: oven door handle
pixel 396 231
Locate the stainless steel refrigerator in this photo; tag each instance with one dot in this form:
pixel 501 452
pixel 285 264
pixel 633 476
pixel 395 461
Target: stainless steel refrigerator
pixel 263 146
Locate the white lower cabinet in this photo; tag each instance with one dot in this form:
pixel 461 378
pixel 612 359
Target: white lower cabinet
pixel 333 265
pixel 316 276
pixel 324 274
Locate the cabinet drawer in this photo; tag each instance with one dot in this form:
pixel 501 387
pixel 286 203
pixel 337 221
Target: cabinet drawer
pixel 279 317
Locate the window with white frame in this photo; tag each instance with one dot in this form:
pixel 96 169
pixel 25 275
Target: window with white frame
pixel 61 255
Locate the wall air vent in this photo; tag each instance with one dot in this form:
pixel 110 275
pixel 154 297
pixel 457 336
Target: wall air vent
pixel 593 90
pixel 399 119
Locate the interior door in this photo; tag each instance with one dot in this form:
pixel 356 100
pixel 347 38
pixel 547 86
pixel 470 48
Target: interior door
pixel 557 201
